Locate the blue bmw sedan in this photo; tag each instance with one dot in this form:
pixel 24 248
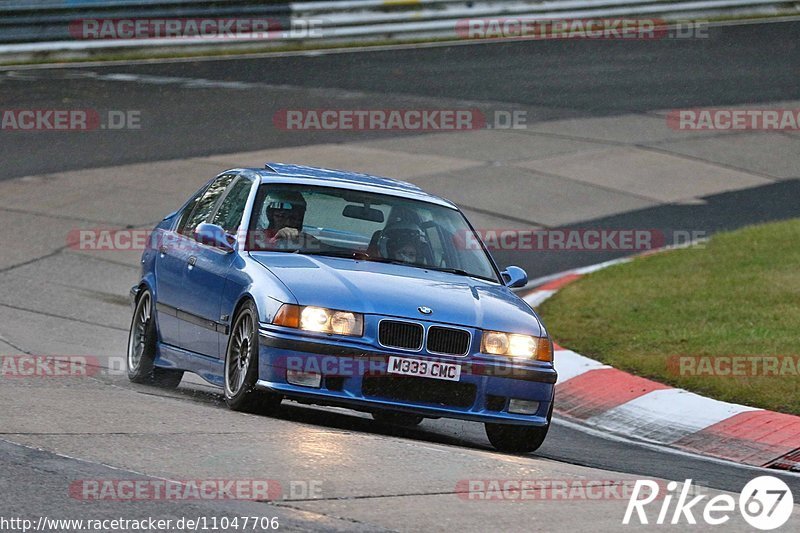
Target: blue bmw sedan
pixel 343 289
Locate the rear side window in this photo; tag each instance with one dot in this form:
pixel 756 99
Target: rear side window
pixel 229 214
pixel 205 205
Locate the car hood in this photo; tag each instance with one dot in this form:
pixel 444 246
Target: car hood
pixel 398 290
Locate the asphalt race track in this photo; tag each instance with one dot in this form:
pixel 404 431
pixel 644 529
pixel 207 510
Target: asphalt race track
pixel 550 79
pixel 372 477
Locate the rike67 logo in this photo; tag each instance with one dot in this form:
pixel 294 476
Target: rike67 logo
pixel 765 503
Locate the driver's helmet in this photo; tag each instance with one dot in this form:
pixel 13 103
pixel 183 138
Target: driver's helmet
pixel 285 209
pixel 404 242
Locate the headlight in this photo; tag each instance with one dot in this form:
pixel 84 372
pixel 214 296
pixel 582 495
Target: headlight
pixel 314 319
pixel 319 319
pixel 516 345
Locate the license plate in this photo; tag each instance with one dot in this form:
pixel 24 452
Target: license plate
pixel 425 369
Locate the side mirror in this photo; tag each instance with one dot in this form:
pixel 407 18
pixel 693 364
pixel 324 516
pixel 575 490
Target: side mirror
pixel 213 235
pixel 514 277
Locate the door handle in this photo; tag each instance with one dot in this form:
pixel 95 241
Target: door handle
pixel 192 261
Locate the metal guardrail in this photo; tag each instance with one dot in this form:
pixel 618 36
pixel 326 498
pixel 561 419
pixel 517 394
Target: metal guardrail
pixel 39 21
pixel 541 10
pixel 42 26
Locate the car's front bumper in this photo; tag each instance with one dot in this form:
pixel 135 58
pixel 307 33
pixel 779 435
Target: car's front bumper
pixel 356 376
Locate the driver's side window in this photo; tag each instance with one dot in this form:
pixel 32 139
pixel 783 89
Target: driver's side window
pixel 204 206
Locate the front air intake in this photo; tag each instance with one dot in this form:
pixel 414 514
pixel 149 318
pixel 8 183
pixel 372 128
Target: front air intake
pixel 403 335
pixel 448 341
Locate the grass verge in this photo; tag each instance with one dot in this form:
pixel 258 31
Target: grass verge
pixel 737 295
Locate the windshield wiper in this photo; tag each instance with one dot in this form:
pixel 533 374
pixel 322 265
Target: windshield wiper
pixel 362 256
pixel 347 254
pixel 459 271
pixel 462 272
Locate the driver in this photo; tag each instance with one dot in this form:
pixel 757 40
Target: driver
pixel 404 244
pixel 285 212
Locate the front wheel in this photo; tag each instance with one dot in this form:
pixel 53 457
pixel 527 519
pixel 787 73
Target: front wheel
pixel 395 418
pixel 142 347
pixel 516 439
pixel 241 366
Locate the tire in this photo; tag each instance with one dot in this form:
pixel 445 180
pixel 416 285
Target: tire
pixel 518 439
pixel 241 366
pixel 397 419
pixel 142 347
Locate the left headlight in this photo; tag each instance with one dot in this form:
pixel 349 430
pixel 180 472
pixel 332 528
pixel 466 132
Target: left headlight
pixel 517 345
pixel 320 319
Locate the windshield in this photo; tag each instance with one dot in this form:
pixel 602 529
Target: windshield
pixel 376 227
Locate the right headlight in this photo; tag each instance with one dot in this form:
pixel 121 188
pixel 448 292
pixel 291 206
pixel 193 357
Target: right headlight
pixel 320 319
pixel 517 345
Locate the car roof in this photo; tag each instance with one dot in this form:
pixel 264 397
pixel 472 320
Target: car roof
pixel 287 173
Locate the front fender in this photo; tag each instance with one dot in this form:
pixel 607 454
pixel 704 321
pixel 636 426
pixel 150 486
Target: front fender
pixel 248 279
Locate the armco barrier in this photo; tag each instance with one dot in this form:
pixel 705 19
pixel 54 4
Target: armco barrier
pixel 43 26
pixel 48 20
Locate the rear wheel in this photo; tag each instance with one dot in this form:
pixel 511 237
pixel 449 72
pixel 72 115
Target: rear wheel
pixel 142 345
pixel 241 366
pixel 397 419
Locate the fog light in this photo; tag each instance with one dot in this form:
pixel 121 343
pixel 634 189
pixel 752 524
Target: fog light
pixel 523 407
pixel 304 379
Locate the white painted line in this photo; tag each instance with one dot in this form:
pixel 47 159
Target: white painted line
pixel 666 415
pixel 600 266
pixel 532 284
pixel 570 364
pixel 538 282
